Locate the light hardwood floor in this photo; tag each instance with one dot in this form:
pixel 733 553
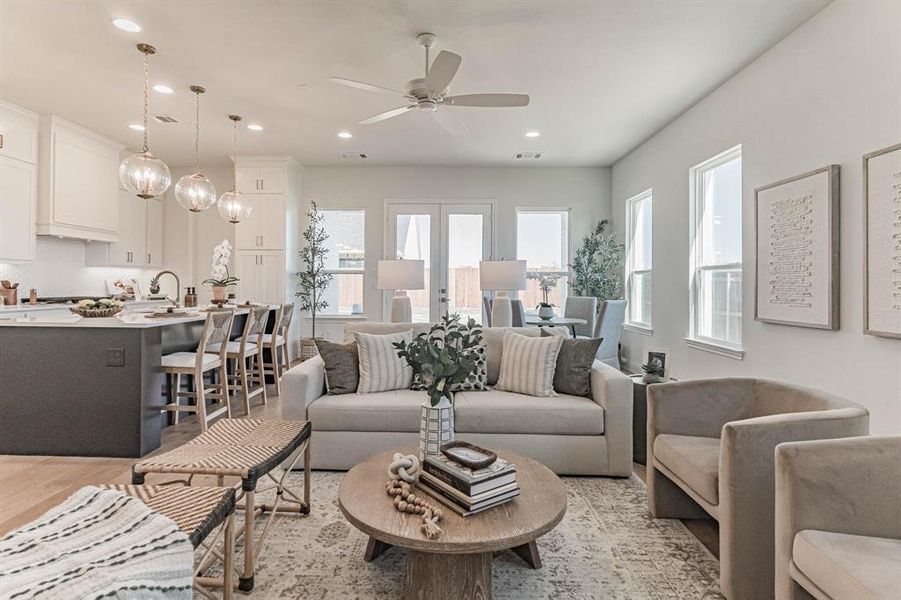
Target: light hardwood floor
pixel 31 485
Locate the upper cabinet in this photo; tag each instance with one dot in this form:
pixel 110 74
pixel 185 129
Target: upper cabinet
pixel 18 182
pixel 140 243
pixel 261 180
pixel 79 182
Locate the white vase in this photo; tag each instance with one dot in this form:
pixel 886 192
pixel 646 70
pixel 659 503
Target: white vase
pixel 436 426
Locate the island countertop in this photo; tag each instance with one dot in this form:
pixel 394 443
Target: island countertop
pixel 124 320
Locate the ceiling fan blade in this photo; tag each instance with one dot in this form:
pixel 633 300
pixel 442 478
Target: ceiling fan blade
pixel 488 100
pixel 387 115
pixel 364 86
pixel 451 122
pixel 442 71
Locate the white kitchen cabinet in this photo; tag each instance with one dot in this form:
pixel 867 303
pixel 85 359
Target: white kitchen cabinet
pixel 261 180
pixel 140 242
pixel 265 228
pixel 78 187
pixel 18 183
pixel 262 276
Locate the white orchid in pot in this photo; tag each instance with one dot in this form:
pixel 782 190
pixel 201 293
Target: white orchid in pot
pixel 219 276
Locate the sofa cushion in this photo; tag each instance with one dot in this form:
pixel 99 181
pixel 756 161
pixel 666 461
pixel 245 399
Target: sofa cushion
pixel 695 460
pixel 381 369
pixel 849 567
pixel 352 327
pixel 395 411
pixel 507 412
pixel 342 366
pixel 494 346
pixel 528 364
pixel 572 374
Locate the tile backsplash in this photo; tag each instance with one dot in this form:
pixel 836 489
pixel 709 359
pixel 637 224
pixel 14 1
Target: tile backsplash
pixel 59 270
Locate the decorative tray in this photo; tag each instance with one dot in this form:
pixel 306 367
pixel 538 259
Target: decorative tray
pixel 91 313
pixel 470 455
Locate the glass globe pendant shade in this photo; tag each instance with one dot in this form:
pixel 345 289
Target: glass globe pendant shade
pixel 233 208
pixel 145 175
pixel 195 192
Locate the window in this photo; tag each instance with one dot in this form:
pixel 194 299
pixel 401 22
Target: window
pixel 716 250
pixel 542 240
pixel 638 259
pixel 345 260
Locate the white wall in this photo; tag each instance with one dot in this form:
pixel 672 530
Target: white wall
pixel 584 190
pixel 827 94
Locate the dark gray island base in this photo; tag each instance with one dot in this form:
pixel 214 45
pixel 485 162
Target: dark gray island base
pixel 88 388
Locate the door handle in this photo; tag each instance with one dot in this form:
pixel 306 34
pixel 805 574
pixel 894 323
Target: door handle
pixel 262 184
pixel 128 256
pixel 148 258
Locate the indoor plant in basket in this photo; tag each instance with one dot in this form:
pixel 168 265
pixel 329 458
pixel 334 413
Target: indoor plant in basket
pixel 105 307
pixel 441 360
pixel 313 279
pixel 219 277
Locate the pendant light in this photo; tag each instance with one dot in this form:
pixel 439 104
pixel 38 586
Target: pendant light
pixel 144 174
pixel 232 206
pixel 194 192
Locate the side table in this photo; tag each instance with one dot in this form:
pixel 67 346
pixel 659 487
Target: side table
pixel 640 418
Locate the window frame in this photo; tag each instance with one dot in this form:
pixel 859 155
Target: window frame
pixel 697 267
pixel 631 203
pixel 340 271
pixel 564 273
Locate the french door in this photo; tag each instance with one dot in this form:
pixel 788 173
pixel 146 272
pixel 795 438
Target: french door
pixel 451 238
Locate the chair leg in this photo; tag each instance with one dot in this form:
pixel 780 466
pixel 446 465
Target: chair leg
pixel 261 371
pixel 286 355
pixel 223 388
pixel 245 386
pixel 199 386
pixel 177 399
pixel 275 364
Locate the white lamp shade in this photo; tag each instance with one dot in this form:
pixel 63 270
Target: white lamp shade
pixel 401 274
pixel 502 275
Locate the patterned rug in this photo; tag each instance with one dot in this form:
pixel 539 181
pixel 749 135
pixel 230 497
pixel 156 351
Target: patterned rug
pixel 607 546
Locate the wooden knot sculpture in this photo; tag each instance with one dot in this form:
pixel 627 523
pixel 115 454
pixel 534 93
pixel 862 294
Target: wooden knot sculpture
pixel 404 471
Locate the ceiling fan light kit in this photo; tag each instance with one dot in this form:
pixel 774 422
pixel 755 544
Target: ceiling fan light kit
pixel 194 192
pixel 143 173
pixel 430 93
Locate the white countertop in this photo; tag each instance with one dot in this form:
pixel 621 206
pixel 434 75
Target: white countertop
pixel 28 308
pixel 128 319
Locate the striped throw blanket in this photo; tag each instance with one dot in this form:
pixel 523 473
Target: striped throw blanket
pixel 97 544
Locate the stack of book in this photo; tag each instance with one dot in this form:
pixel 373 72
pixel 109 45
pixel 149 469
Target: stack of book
pixel 468 491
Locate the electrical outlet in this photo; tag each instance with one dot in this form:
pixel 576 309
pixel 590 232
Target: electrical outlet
pixel 115 357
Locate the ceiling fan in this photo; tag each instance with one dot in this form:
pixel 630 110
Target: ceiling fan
pixel 429 93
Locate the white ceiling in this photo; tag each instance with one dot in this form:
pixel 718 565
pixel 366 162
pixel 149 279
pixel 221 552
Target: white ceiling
pixel 603 75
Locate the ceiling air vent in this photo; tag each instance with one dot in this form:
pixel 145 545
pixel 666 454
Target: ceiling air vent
pixel 525 155
pixel 354 155
pixel 165 119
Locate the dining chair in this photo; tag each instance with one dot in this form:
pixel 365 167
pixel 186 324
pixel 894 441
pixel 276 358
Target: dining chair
pixel 194 365
pixel 582 307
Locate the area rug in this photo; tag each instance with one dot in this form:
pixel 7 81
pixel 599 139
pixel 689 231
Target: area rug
pixel 607 546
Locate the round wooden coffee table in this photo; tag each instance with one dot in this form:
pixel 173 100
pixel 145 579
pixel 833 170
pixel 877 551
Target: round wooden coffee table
pixel 458 563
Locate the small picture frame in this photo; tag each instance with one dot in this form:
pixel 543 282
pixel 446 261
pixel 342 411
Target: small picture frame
pixel 659 356
pixel 124 288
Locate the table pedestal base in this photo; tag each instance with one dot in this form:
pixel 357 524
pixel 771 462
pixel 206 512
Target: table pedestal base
pixel 448 576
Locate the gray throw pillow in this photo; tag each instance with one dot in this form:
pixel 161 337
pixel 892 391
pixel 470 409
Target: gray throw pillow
pixel 573 373
pixel 342 366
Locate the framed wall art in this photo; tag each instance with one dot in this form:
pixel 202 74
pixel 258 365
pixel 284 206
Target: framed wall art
pixel 882 242
pixel 797 229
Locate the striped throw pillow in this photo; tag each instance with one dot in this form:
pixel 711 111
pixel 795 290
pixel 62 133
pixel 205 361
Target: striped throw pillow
pixel 528 363
pixel 381 369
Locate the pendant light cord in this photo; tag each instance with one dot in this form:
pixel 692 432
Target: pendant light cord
pixel 146 99
pixel 197 134
pixel 235 150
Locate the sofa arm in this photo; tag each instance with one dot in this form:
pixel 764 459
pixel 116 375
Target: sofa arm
pixel 845 486
pixel 747 481
pixel 301 385
pixel 612 390
pixel 699 407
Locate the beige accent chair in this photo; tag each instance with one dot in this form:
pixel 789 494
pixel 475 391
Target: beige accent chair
pixel 711 446
pixel 838 519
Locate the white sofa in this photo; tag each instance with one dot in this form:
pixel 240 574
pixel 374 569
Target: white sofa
pixel 571 435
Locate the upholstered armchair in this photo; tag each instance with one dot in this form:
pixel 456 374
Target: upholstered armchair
pixel 838 519
pixel 711 446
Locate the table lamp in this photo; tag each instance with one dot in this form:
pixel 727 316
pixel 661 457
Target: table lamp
pixel 502 276
pixel 400 276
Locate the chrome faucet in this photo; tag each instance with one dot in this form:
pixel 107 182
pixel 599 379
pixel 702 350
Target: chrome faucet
pixel 155 287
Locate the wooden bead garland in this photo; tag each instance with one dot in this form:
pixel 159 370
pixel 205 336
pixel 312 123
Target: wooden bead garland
pixel 406 501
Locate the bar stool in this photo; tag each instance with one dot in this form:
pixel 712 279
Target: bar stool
pixel 238 352
pixel 216 330
pixel 276 340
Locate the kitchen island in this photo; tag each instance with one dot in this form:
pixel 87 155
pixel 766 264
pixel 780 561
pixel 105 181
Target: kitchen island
pixel 88 387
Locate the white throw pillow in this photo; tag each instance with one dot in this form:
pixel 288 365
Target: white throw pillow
pixel 528 363
pixel 381 369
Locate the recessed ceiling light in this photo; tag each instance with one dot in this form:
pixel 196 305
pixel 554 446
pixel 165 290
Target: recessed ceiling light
pixel 163 89
pixel 126 25
pixel 255 127
pixel 533 134
pixel 136 127
pixel 345 135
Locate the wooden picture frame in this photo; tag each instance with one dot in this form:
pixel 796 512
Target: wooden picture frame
pixel 798 239
pixel 882 228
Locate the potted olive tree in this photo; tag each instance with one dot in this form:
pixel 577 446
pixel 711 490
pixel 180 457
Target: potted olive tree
pixel 312 279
